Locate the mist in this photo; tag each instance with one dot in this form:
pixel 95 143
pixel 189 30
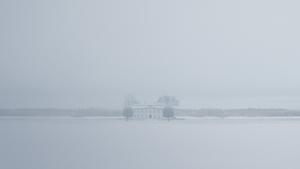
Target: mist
pixel 224 54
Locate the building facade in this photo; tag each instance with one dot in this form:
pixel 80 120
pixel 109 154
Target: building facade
pixel 147 111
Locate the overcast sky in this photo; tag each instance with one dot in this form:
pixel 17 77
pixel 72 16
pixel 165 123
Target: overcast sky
pixel 208 53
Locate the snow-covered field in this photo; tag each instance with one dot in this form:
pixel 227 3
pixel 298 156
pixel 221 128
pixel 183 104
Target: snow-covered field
pixel 79 143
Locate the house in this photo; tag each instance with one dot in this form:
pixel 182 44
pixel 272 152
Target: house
pixel 133 108
pixel 147 111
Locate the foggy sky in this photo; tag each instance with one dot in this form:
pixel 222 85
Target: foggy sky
pixel 91 53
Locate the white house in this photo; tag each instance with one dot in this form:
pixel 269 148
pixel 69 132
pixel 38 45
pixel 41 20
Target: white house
pixel 147 111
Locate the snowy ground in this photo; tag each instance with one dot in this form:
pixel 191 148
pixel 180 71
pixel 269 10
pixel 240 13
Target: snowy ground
pixel 87 143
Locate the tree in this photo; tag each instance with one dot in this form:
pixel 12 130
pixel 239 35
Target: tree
pixel 168 101
pixel 168 112
pixel 127 112
pixel 130 100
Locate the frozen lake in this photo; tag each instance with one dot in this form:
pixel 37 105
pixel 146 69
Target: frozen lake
pixel 79 143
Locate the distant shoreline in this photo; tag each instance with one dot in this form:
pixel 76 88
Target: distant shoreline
pixel 93 112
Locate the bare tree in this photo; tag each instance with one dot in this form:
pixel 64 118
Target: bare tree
pixel 169 101
pixel 130 100
pixel 127 112
pixel 168 112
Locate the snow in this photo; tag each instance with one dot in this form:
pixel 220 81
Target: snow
pixel 87 143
